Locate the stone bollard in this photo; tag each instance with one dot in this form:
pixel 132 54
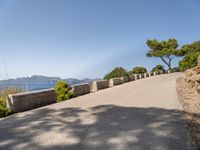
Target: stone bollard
pixel 141 76
pixel 114 81
pixel 146 75
pixel 124 79
pixel 131 77
pixel 169 71
pixel 155 73
pixel 136 76
pixel 151 74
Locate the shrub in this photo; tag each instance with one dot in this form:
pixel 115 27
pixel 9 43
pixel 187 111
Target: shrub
pixel 158 68
pixel 116 72
pixel 138 70
pixel 62 90
pixel 3 109
pixel 188 61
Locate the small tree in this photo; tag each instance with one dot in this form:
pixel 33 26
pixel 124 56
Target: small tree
pixel 189 61
pixel 116 72
pixel 190 53
pixel 158 68
pixel 165 50
pixel 62 90
pixel 138 70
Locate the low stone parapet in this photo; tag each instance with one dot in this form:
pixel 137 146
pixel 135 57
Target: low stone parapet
pixel 131 77
pixel 30 100
pixel 98 85
pixel 80 89
pixel 137 76
pixel 146 75
pixel 114 81
pixel 155 73
pixel 141 76
pixel 124 79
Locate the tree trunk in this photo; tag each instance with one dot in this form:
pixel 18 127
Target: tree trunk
pixel 167 63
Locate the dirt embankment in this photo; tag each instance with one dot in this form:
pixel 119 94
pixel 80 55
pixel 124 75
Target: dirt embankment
pixel 188 88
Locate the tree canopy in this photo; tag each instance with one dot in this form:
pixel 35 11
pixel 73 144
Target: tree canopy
pixel 190 53
pixel 138 70
pixel 116 72
pixel 158 68
pixel 165 50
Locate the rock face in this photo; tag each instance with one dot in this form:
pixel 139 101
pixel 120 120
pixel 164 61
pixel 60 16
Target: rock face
pixel 188 89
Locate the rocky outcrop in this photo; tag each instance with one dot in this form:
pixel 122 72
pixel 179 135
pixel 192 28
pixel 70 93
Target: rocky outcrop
pixel 192 78
pixel 188 88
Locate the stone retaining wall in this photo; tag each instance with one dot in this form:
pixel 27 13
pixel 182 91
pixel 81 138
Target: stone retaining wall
pixel 30 100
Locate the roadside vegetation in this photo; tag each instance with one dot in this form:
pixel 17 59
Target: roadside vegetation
pixel 116 72
pixel 4 111
pixel 167 51
pixel 158 68
pixel 63 91
pixel 138 70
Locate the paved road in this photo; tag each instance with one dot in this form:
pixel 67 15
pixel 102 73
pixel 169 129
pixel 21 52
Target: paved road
pixel 139 115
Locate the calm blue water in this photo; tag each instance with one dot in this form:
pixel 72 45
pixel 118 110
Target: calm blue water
pixel 29 87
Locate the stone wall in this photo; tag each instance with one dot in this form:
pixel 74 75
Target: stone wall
pixel 80 89
pixel 30 100
pixel 124 79
pixel 98 85
pixel 114 81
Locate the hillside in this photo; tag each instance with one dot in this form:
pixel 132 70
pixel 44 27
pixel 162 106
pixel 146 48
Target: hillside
pixel 39 79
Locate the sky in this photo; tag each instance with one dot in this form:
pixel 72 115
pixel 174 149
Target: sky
pixel 88 38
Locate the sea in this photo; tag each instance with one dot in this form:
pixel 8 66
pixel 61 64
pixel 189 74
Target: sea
pixel 29 87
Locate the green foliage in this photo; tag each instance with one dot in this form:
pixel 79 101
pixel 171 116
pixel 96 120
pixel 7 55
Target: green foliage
pixel 138 70
pixel 185 49
pixel 190 53
pixel 165 50
pixel 189 61
pixel 63 93
pixel 116 72
pixel 158 68
pixel 3 109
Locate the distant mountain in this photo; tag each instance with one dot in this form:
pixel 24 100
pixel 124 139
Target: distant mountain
pixel 38 79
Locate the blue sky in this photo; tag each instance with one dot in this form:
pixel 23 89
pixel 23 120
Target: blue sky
pixel 88 38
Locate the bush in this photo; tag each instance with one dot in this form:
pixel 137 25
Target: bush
pixel 62 90
pixel 116 72
pixel 188 61
pixel 158 68
pixel 138 70
pixel 3 109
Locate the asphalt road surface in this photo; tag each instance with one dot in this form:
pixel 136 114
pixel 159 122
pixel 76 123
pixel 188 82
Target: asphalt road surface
pixel 139 115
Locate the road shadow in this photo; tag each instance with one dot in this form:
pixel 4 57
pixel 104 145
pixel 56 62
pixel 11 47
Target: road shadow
pixel 102 127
